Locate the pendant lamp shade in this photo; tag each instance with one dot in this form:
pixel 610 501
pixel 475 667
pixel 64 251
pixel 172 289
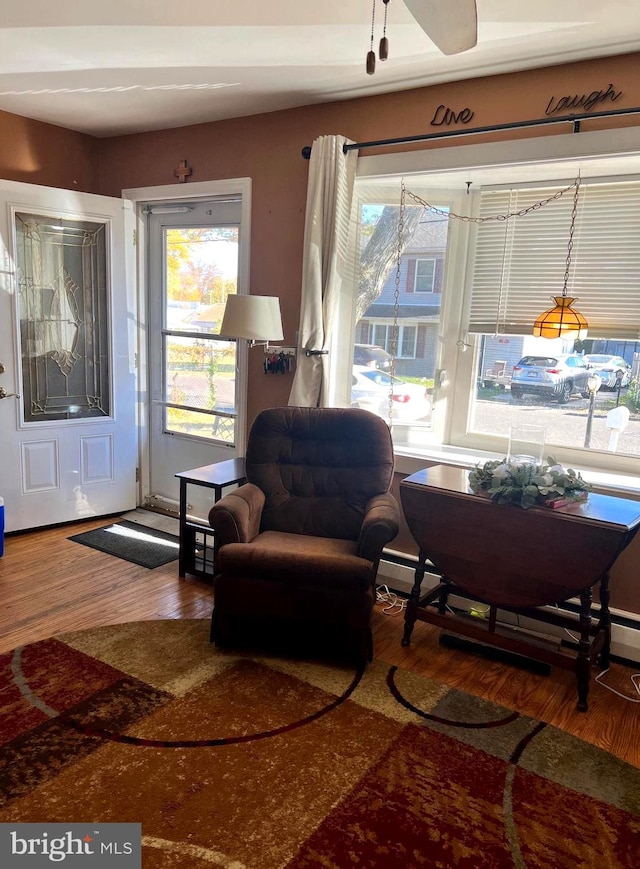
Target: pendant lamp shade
pixel 561 321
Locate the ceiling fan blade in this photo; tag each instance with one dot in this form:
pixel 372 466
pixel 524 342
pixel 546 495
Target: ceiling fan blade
pixel 451 24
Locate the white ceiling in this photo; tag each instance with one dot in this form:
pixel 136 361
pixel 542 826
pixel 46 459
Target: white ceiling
pixel 125 66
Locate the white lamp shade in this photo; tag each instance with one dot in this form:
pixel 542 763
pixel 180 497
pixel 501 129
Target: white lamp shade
pixel 256 318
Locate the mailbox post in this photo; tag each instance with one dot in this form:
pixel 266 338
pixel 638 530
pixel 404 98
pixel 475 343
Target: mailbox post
pixel 617 421
pixel 594 383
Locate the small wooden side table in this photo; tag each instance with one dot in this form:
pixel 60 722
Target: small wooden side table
pixel 218 476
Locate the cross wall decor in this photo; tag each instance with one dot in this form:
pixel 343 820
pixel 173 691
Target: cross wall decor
pixel 183 171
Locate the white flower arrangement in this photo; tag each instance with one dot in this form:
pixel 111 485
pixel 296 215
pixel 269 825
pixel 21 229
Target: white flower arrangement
pixel 527 484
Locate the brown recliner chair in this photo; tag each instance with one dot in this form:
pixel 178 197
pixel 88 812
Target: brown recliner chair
pixel 300 542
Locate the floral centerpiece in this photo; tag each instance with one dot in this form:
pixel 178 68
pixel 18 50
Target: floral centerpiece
pixel 526 483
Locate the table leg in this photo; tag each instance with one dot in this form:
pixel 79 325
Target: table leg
pixel 605 622
pixel 444 596
pixel 184 543
pixel 583 661
pixel 414 599
pixel 217 495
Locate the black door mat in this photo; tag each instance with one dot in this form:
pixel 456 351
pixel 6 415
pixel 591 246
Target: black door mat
pixel 147 547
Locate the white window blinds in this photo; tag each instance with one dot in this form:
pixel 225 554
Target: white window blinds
pixel 520 262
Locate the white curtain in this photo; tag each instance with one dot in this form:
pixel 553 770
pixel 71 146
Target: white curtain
pixel 329 194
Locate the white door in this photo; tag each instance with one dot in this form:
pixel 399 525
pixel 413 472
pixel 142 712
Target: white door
pixel 67 346
pixel 194 375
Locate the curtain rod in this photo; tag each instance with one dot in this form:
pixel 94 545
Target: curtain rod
pixel 514 125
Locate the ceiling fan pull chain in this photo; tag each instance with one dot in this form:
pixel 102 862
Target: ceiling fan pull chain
pixel 371 56
pixel 383 50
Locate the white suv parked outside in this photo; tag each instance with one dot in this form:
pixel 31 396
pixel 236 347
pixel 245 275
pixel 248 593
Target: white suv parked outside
pixel 555 377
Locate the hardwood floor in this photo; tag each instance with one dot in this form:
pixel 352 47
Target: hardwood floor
pixel 50 585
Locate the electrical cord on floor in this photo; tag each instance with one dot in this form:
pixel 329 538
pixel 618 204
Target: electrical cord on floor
pixel 395 603
pixel 635 681
pixel 635 677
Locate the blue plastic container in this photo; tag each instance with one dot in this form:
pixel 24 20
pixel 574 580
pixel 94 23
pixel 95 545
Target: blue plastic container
pixel 1 527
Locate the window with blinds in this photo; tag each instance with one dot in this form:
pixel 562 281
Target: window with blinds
pixel 520 263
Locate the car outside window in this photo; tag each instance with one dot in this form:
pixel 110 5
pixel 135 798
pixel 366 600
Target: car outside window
pixel 377 377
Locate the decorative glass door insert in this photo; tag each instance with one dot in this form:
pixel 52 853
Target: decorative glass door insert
pixel 63 304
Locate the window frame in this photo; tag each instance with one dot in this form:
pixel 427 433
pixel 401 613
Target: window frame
pixel 425 259
pixel 387 343
pixel 609 153
pixel 386 191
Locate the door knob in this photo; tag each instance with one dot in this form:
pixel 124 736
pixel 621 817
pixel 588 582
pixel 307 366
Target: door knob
pixel 2 368
pixel 5 394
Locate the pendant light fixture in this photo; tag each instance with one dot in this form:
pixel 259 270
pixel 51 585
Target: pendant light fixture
pixel 562 321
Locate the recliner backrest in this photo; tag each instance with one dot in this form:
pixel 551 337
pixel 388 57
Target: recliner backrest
pixel 318 468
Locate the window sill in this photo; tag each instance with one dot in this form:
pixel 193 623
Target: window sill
pixel 604 482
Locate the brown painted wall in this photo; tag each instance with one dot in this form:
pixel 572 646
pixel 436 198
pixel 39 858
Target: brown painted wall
pixel 38 153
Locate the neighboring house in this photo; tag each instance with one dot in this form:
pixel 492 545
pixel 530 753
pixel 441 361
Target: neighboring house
pixel 209 319
pixel 629 350
pixel 421 275
pixel 500 351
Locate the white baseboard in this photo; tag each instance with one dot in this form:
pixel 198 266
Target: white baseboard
pixel 625 641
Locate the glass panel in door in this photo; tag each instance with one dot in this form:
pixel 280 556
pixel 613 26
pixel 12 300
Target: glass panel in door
pixel 199 368
pixel 64 319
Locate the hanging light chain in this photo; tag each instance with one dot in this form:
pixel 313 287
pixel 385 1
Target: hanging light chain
pixel 466 218
pixel 395 331
pixel 371 55
pixel 383 50
pixel 572 227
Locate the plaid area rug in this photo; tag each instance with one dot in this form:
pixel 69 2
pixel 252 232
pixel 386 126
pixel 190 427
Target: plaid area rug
pixel 148 547
pixel 248 761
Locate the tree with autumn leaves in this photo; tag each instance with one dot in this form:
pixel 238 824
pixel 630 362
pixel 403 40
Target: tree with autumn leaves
pixel 193 274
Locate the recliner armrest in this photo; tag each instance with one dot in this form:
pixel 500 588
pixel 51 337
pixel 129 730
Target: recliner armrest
pixel 381 524
pixel 236 517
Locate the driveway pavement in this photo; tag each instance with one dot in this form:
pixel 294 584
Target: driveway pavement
pixel 564 424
